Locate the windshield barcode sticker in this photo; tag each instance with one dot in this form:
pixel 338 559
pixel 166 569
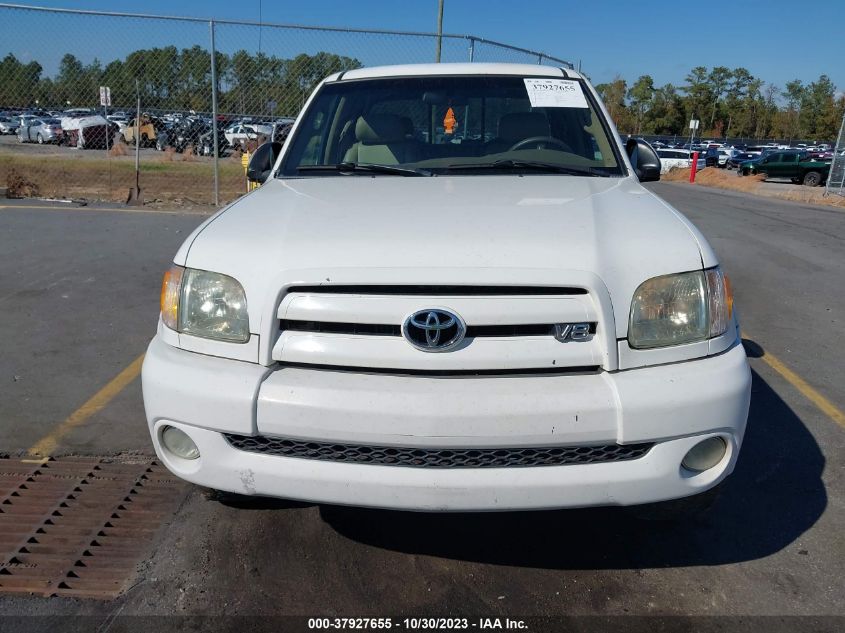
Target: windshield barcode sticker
pixel 555 93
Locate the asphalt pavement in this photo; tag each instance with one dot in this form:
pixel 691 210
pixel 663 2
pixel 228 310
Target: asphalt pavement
pixel 79 290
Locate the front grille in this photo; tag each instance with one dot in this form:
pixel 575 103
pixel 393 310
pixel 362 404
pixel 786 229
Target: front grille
pixel 440 290
pixel 454 373
pixel 388 329
pixel 437 457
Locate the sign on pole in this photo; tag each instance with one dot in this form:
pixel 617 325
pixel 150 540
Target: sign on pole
pixel 693 124
pixel 105 96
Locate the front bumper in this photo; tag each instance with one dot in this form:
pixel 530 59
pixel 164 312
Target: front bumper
pixel 675 406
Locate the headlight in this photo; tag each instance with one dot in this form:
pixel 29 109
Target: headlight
pixel 204 304
pixel 682 308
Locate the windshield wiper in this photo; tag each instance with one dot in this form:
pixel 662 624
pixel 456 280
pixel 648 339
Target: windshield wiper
pixel 510 163
pixel 350 167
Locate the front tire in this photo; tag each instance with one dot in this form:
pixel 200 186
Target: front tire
pixel 812 179
pixel 40 139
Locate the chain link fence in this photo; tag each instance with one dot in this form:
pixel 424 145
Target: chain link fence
pixel 836 178
pixel 190 95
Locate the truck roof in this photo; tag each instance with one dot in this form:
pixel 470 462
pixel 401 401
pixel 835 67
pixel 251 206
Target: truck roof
pixel 404 70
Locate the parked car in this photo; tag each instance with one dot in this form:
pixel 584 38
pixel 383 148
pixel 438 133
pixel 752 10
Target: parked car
pixel 551 335
pixel 710 156
pixel 822 155
pixel 164 134
pixel 186 134
pixel 261 128
pixel 205 141
pixel 119 119
pixel 8 125
pixel 725 154
pixel 41 131
pixel 148 129
pixel 740 157
pixel 756 149
pixel 22 120
pixel 797 166
pixel 239 135
pixel 77 112
pixel 680 158
pixel 88 132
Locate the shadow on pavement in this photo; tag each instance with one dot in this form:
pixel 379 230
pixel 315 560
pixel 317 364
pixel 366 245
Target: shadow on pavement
pixel 774 495
pixel 245 502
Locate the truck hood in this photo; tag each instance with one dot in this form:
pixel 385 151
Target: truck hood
pixel 505 229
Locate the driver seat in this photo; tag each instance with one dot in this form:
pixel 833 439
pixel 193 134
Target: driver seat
pixel 516 126
pixel 382 139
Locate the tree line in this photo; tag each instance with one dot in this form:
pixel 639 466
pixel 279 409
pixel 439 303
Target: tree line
pixel 173 79
pixel 729 103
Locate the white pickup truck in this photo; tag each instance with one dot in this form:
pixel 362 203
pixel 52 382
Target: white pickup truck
pixel 451 292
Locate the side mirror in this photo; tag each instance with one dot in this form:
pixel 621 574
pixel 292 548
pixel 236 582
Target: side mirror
pixel 644 159
pixel 262 161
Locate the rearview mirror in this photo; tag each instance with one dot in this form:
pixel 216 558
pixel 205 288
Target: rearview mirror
pixel 262 161
pixel 644 159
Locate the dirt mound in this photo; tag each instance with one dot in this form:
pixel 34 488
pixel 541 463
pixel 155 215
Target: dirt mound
pixel 119 149
pixel 17 186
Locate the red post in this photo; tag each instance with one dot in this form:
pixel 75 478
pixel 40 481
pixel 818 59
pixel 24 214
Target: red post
pixel 693 167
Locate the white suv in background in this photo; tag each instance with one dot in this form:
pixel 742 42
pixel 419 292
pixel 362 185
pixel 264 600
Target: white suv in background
pixel 680 158
pixel 451 292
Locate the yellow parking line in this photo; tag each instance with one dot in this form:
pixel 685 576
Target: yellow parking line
pixel 826 406
pixel 95 403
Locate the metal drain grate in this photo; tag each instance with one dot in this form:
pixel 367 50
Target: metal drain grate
pixel 77 527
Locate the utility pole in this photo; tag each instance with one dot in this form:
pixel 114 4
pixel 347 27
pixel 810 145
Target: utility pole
pixel 439 30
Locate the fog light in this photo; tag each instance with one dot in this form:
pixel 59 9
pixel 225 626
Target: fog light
pixel 705 454
pixel 178 443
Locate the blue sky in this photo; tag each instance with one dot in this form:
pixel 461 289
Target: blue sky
pixel 630 38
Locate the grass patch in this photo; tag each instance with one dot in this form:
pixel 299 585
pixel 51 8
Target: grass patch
pixel 148 167
pixel 176 183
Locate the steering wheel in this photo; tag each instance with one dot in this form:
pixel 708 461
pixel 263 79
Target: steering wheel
pixel 545 140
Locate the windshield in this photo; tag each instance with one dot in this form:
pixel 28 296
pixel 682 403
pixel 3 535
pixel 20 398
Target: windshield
pixel 456 125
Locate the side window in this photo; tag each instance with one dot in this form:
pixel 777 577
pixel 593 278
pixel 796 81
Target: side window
pixel 312 150
pixel 790 158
